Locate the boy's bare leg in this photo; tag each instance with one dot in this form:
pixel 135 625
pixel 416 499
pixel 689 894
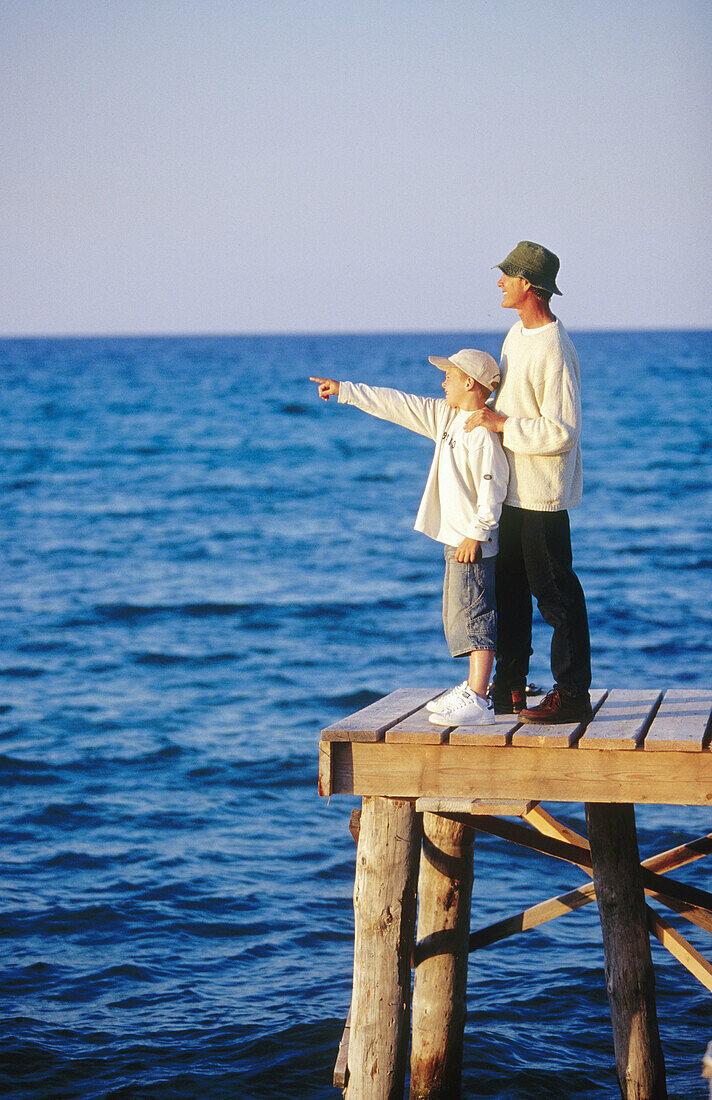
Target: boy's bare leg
pixel 481 661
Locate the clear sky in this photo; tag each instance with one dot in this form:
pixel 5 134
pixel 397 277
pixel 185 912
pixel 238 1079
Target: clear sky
pixel 320 165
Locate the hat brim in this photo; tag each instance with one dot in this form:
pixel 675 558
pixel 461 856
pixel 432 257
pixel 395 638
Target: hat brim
pixel 517 274
pixel 441 362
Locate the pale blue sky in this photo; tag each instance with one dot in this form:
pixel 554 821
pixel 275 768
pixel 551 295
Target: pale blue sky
pixel 265 166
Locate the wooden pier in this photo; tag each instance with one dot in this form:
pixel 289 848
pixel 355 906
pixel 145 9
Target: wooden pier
pixel 428 790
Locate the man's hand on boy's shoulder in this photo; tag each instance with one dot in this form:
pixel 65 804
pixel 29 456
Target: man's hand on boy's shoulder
pixel 468 550
pixel 485 418
pixel 327 387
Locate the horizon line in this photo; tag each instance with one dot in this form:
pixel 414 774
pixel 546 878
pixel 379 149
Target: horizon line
pixel 324 333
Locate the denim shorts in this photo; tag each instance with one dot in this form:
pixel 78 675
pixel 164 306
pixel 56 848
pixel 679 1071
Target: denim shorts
pixel 469 615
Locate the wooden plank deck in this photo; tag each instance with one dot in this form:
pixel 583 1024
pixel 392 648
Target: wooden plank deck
pixel 371 722
pixel 624 720
pixel 677 725
pixel 642 746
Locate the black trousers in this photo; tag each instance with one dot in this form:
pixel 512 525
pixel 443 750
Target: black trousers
pixel 535 560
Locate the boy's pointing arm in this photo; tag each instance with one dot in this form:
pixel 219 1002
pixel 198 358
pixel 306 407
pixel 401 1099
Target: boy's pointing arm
pixel 418 414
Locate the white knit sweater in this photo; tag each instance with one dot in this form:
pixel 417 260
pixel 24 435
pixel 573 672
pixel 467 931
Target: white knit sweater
pixel 540 393
pixel 468 475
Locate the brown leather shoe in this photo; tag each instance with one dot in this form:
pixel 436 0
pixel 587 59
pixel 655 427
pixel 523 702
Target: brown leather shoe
pixel 557 708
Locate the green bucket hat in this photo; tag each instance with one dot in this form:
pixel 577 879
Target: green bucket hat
pixel 534 263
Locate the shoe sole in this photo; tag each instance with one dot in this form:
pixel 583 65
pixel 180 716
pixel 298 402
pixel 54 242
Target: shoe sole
pixel 439 720
pixel 569 720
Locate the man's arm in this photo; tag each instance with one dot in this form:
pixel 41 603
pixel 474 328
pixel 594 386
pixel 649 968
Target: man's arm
pixel 558 427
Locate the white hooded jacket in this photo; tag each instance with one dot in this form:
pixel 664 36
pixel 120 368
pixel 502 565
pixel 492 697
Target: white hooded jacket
pixel 467 481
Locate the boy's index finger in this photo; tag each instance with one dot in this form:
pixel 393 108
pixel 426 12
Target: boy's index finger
pixel 318 379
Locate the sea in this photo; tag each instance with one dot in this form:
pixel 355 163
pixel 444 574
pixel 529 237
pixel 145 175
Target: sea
pixel 204 565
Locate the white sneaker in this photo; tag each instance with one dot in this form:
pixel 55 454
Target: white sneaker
pixel 436 706
pixel 468 709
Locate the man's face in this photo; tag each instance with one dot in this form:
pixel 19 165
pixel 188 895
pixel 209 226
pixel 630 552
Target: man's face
pixel 456 385
pixel 514 290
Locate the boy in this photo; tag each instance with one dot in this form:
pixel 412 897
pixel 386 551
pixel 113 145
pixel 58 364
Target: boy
pixel 460 508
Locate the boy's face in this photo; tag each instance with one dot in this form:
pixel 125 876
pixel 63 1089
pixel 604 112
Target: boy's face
pixel 457 386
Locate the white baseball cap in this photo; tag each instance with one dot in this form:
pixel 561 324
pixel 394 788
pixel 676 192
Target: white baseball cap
pixel 478 364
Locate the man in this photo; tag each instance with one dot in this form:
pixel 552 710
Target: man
pixel 538 413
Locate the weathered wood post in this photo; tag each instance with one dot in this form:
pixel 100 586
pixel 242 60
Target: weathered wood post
pixel 384 912
pixel 439 997
pixel 630 978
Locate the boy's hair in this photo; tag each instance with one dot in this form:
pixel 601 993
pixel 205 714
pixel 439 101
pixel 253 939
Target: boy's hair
pixel 485 389
pixel 545 295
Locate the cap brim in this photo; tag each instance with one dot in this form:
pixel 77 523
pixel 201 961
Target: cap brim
pixel 440 362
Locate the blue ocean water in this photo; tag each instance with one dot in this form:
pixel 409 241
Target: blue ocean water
pixel 203 565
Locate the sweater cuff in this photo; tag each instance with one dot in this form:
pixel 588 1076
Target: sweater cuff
pixel 509 430
pixel 482 534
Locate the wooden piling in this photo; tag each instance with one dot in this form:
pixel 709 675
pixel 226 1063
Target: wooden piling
pixel 384 912
pixel 630 979
pixel 439 997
